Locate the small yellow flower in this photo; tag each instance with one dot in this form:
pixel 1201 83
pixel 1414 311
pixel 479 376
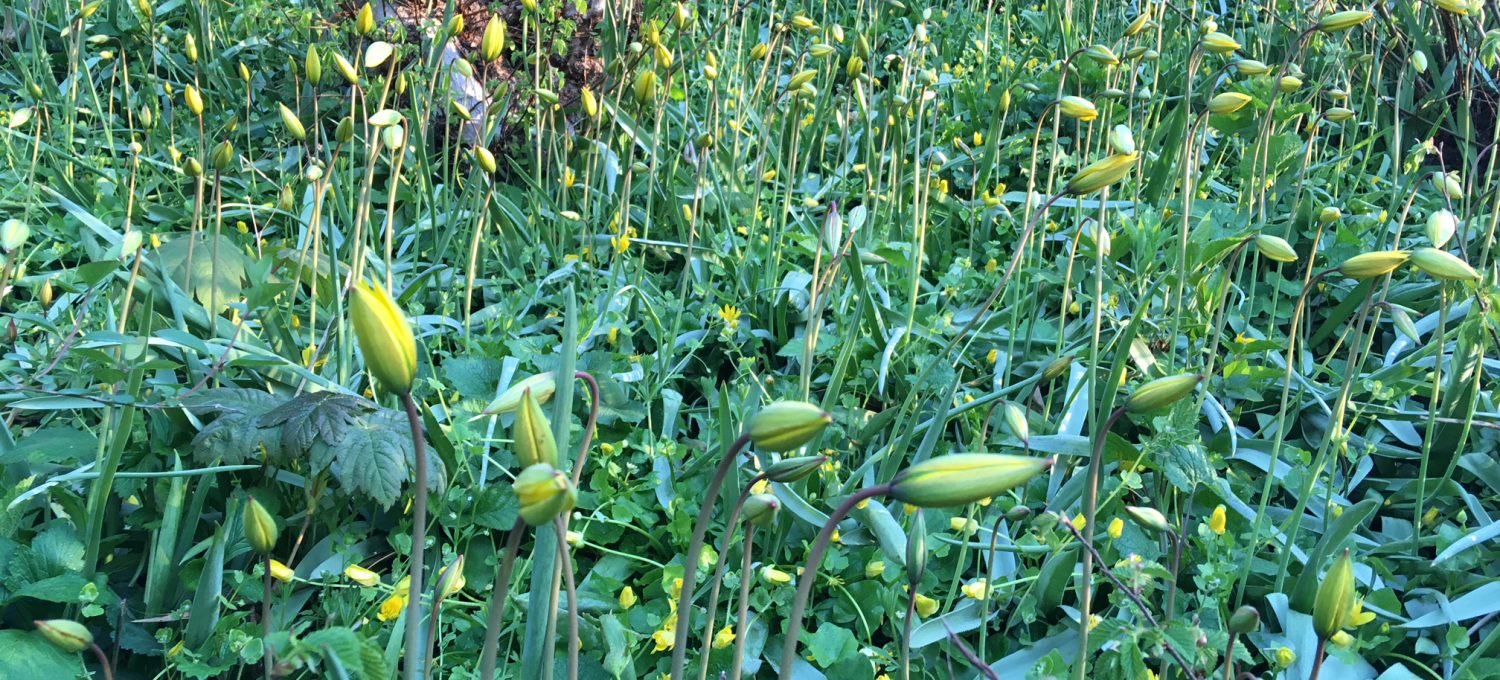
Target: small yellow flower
pixel 1217 521
pixel 361 575
pixel 614 335
pixel 1285 657
pixel 1094 621
pixel 675 590
pixel 874 569
pixel 724 637
pixel 1357 614
pixel 774 576
pixel 664 638
pixel 979 589
pixel 963 525
pixel 391 608
pixel 1116 527
pixel 627 597
pixel 926 606
pixel 1079 522
pixel 281 572
pixel 731 316
pixel 569 178
pixel 992 356
pixel 1430 517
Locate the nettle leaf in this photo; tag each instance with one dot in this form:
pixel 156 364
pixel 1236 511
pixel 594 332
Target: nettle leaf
pixel 54 552
pixel 375 457
pixel 234 436
pixel 315 418
pixel 215 272
pixel 358 656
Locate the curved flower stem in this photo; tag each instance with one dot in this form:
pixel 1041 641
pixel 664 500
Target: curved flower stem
pixel 497 602
pixel 567 569
pixel 695 553
pixel 810 573
pixel 742 621
pixel 1318 658
pixel 109 673
pixel 588 428
pixel 414 652
pixel 1229 656
pixel 718 579
pixel 1090 508
pixel 1176 564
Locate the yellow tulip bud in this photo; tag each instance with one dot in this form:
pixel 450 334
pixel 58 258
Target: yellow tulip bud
pixel 361 575
pixel 1162 392
pixel 281 572
pixel 385 337
pixel 194 99
pixel 1228 102
pixel 345 68
pixel 451 578
pixel 292 124
pixel 533 434
pixel 1343 21
pixel 260 527
pixel 1219 43
pixel 1275 248
pixel 1251 67
pixel 1078 107
pixel 1440 264
pixel 1101 173
pixel 1289 83
pixel 1101 55
pixel 544 493
pixel 1371 265
pixel 541 386
pixel 645 87
pixel 485 159
pixel 787 425
pixel 963 478
pixel 364 22
pixel 1335 597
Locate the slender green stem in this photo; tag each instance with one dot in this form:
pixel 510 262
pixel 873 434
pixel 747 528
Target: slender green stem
pixel 414 653
pixel 810 573
pixel 1229 656
pixel 718 579
pixel 104 667
pixel 742 619
pixel 567 570
pixel 497 603
pixel 1090 508
pixel 265 619
pixel 695 553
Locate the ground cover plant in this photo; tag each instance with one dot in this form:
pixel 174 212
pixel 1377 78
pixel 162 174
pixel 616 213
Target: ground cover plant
pixel 466 339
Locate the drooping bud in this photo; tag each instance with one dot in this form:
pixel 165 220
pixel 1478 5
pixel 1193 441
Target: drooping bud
pixel 787 425
pixel 1100 174
pixel 1343 21
pixel 1138 24
pixel 1441 264
pixel 393 137
pixel 1251 67
pixel 1244 620
pixel 541 386
pixel 1338 114
pixel 1371 265
pixel 533 434
pixel 69 636
pixel 385 337
pixel 1219 43
pixel 377 53
pixel 1275 248
pixel 1289 83
pixel 345 68
pixel 788 470
pixel 1162 392
pixel 1449 185
pixel 281 572
pixel 1078 107
pixel 544 492
pixel 292 124
pixel 13 234
pixel 1101 55
pixel 1441 226
pixel 1419 61
pixel 1150 519
pixel 1228 102
pixel 962 478
pixel 1335 597
pixel 260 527
pixel 760 509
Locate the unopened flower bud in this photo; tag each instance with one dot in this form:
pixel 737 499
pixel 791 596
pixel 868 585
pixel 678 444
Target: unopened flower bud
pixel 544 493
pixel 451 578
pixel 533 434
pixel 260 527
pixel 1100 174
pixel 292 124
pixel 493 42
pixel 385 337
pixel 312 65
pixel 963 478
pixel 1371 265
pixel 1335 599
pixel 1441 264
pixel 1228 102
pixel 787 425
pixel 364 21
pixel 1343 21
pixel 1219 43
pixel 69 636
pixel 1150 519
pixel 1441 226
pixel 760 509
pixel 1162 392
pixel 1244 620
pixel 1275 248
pixel 788 470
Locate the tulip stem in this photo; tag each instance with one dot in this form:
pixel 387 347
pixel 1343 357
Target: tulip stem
pixel 741 621
pixel 1229 656
pixel 588 429
pixel 265 619
pixel 567 569
pixel 718 579
pixel 414 652
pixel 695 553
pixel 109 673
pixel 911 610
pixel 1318 657
pixel 497 602
pixel 810 573
pixel 1090 508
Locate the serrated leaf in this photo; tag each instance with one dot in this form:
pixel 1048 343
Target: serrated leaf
pixel 370 459
pixel 215 273
pixel 473 377
pixel 352 652
pixel 496 508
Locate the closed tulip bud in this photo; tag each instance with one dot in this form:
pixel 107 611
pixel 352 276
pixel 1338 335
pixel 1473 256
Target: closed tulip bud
pixel 1101 173
pixel 260 527
pixel 345 68
pixel 1402 321
pixel 1338 114
pixel 45 295
pixel 681 15
pixel 533 434
pixel 1371 265
pixel 194 99
pixel 69 636
pixel 862 47
pixel 820 50
pixel 312 66
pixel 800 78
pixel 287 200
pixel 451 578
pixel 1289 83
pixel 145 8
pixel 1162 392
pixel 1244 620
pixel 378 52
pixel 1459 7
pixel 1150 519
pixel 544 493
pixel 1419 61
pixel 1329 215
pixel 1441 264
pixel 192 168
pixel 590 102
pixel 916 549
pixel 787 425
pixel 963 478
pixel 1121 140
pixel 1208 25
pixel 1098 236
pixel 773 576
pixel 1015 421
pixel 1275 248
pixel 760 509
pixel 1343 21
pixel 1441 226
pixel 281 572
pixel 1219 43
pixel 788 470
pixel 1078 107
pixel 455 25
pixel 343 133
pixel 1449 185
pixel 541 386
pixel 1136 52
pixel 222 155
pixel 485 159
pixel 364 21
pixel 1057 367
pixel 1101 55
pixel 759 51
pixel 393 137
pixel 645 87
pixel 13 234
pixel 1335 599
pixel 292 124
pixel 1228 102
pixel 190 47
pixel 385 337
pixel 855 66
pixel 1251 67
pixel 147 118
pixel 493 42
pixel 1138 24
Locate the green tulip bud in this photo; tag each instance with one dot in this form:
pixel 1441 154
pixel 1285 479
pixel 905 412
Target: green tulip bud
pixel 344 132
pixel 222 155
pixel 1101 173
pixel 533 434
pixel 287 200
pixel 485 159
pixel 916 549
pixel 1441 264
pixel 292 124
pixel 787 425
pixel 71 637
pixel 1371 265
pixel 1228 102
pixel 192 168
pixel 1121 140
pixel 541 386
pixel 544 493
pixel 13 234
pixel 788 470
pixel 1101 55
pixel 1018 513
pixel 645 87
pixel 760 509
pixel 1015 420
pixel 312 66
pixel 1056 368
pixel 1449 185
pixel 1402 321
pixel 345 68
pixel 385 337
pixel 260 527
pixel 1150 519
pixel 1275 248
pixel 1343 21
pixel 1162 392
pixel 451 578
pixel 1441 226
pixel 1335 598
pixel 1244 620
pixel 377 53
pixel 393 136
pixel 963 478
